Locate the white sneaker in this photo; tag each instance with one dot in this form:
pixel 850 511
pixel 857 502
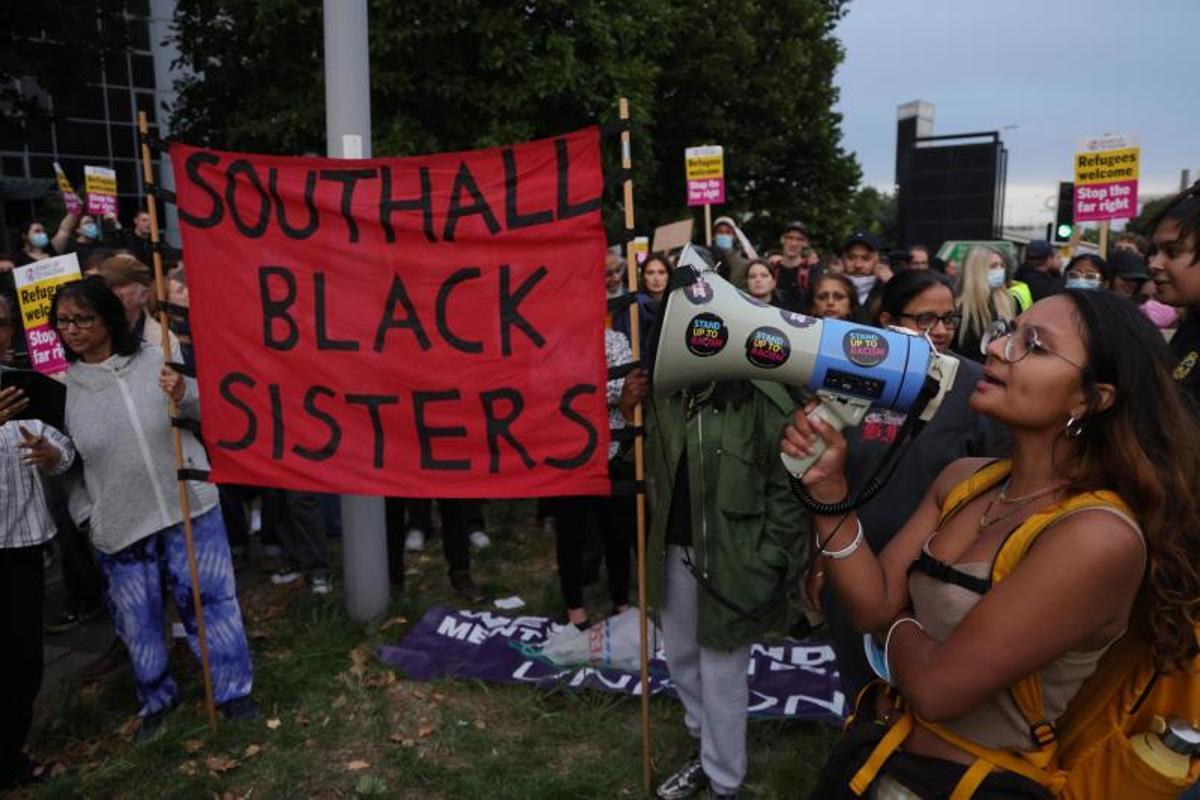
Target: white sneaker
pixel 320 584
pixel 285 576
pixel 480 539
pixel 414 541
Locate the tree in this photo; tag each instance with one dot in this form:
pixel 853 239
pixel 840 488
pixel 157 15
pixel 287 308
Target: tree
pixel 1150 210
pixel 873 211
pixel 752 75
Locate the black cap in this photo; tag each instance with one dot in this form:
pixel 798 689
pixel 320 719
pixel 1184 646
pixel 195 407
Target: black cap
pixel 863 238
pixel 1039 249
pixel 1131 266
pixel 795 225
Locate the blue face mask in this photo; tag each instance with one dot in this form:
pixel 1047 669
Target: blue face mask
pixel 39 240
pixel 90 230
pixel 996 278
pixel 1083 283
pixel 723 241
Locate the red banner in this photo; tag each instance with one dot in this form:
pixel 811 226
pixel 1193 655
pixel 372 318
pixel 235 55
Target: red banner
pixel 421 327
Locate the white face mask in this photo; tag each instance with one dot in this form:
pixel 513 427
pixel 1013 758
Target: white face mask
pixel 863 284
pixel 996 277
pixel 1083 283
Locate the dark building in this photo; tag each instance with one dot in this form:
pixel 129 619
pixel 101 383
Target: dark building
pixel 94 125
pixel 947 187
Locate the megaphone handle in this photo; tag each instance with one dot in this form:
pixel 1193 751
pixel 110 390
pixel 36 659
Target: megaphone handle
pixel 837 411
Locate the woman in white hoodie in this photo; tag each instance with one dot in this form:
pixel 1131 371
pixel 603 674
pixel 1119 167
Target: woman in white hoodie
pixel 121 428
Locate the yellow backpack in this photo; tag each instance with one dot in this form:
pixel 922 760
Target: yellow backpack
pixel 1088 754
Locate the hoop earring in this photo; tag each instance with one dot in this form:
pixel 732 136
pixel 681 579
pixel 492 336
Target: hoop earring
pixel 1074 427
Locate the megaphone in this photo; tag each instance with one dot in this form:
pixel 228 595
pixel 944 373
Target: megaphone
pixel 712 331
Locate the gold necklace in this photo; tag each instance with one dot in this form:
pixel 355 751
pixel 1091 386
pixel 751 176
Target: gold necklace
pixel 1021 502
pixel 1006 500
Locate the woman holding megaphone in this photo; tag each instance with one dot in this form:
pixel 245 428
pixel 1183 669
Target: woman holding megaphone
pixel 1104 465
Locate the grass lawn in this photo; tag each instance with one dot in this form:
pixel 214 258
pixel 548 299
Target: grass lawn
pixel 338 724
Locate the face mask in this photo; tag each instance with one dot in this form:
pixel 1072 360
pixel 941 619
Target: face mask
pixel 996 278
pixel 723 241
pixel 863 284
pixel 39 240
pixel 90 230
pixel 1083 283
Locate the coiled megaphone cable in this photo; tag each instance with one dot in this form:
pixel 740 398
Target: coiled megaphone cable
pixel 912 426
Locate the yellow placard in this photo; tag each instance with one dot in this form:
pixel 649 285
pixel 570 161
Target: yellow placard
pixel 1107 166
pixel 702 163
pixel 100 182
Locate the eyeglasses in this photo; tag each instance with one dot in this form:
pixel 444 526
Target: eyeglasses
pixel 928 320
pixel 825 297
pixel 1081 275
pixel 1021 341
pixel 84 322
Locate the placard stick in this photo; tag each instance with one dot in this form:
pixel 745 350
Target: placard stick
pixel 160 290
pixel 708 225
pixel 1104 239
pixel 639 467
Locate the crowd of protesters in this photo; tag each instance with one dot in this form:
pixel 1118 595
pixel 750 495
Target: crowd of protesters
pixel 1064 373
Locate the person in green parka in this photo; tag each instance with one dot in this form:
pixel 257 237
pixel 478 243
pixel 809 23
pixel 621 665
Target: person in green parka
pixel 725 542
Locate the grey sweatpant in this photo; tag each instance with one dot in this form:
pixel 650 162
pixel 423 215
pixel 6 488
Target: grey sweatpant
pixel 712 684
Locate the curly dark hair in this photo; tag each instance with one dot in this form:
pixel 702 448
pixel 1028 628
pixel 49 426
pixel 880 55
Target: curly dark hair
pixel 1146 448
pixel 1184 210
pixel 93 293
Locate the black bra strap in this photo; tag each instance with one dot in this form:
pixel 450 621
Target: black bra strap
pixel 941 571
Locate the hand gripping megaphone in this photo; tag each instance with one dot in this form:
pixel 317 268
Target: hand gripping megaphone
pixel 711 331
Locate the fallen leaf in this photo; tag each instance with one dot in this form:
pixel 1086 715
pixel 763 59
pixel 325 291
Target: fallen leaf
pixel 257 634
pixel 301 720
pixel 425 730
pixel 129 727
pixel 393 622
pixel 193 745
pixel 252 750
pixel 480 725
pixel 358 660
pixel 219 764
pixel 438 697
pixel 396 736
pixel 339 701
pixel 325 721
pixel 354 766
pixel 188 768
pixel 274 723
pixel 407 742
pixel 58 769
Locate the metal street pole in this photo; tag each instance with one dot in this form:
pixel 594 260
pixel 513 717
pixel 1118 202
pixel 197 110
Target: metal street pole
pixel 348 135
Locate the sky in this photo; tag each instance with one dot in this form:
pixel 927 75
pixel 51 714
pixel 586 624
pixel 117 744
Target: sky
pixel 1046 73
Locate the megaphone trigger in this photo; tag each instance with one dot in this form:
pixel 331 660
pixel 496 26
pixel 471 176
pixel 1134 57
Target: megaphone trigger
pixel 838 411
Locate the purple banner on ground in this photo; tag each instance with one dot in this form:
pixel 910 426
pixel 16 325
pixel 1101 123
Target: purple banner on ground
pixel 793 680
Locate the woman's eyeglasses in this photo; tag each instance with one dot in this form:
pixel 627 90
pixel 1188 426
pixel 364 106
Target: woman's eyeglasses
pixel 1019 342
pixel 84 322
pixel 825 297
pixel 928 320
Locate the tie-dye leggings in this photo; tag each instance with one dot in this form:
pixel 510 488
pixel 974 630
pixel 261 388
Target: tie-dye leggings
pixel 137 576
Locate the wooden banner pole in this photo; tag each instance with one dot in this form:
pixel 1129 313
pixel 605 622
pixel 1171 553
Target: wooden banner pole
pixel 1104 239
pixel 707 225
pixel 639 465
pixel 160 288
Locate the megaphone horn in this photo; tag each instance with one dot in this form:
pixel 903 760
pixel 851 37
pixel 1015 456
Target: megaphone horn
pixel 710 330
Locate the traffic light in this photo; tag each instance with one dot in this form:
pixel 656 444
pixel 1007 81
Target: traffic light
pixel 1064 218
